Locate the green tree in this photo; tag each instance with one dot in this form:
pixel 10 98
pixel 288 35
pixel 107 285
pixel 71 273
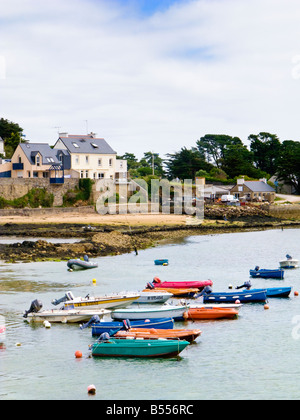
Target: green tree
pixel 185 163
pixel 212 147
pixel 266 149
pixel 11 133
pixel 239 160
pixel 288 164
pixel 155 162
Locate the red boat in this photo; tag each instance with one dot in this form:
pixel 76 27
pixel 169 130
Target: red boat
pixel 194 284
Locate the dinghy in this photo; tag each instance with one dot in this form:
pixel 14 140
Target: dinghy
pixel 168 311
pixel 152 333
pixel 99 326
pixel 289 262
pixel 194 284
pixel 2 329
pixel 35 314
pixel 78 264
pixel 210 313
pixel 161 262
pixel 113 300
pixel 158 296
pixel 137 347
pixel 277 273
pixel 254 295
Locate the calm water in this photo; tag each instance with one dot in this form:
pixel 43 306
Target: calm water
pixel 256 356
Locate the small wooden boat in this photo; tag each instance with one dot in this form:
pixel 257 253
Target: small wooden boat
pixel 265 273
pixel 289 262
pixel 169 311
pixel 114 300
pixel 161 262
pixel 175 292
pixel 278 291
pixel 159 296
pixel 124 347
pixel 153 333
pixel 112 327
pixel 2 329
pixel 34 314
pixel 210 313
pixel 192 284
pixel 78 264
pixel 254 295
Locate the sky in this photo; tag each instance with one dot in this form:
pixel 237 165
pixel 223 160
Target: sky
pixel 150 75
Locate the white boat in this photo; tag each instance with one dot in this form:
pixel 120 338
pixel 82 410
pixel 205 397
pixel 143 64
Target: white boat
pixel 153 297
pixel 2 329
pixel 113 300
pixel 289 262
pixel 34 314
pixel 165 311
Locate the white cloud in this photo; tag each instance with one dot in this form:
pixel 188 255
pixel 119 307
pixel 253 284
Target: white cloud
pixel 150 82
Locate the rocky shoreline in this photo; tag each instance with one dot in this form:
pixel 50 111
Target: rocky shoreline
pixel 102 240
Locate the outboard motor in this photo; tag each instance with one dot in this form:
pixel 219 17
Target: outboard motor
pixel 126 324
pixel 95 319
pixel 104 337
pixel 86 258
pixel 35 306
pixel 150 286
pixel 68 296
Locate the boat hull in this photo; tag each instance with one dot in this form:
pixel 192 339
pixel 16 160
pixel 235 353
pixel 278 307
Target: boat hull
pixel 254 295
pixel 112 326
pixel 77 264
pixel 65 316
pixel 105 302
pixel 211 313
pixel 2 329
pixel 183 284
pixel 268 274
pixel 153 297
pixel 167 311
pixel 278 291
pixel 118 347
pixel 161 262
pixel 152 333
pixel 289 264
pixel 176 292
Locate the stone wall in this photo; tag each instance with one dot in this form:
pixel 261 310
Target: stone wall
pixel 11 188
pixel 285 211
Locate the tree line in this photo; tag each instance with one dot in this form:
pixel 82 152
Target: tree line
pixel 217 157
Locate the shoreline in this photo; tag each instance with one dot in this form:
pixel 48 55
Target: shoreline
pixel 111 234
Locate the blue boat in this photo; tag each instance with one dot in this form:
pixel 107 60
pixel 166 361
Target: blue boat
pixel 112 327
pixel 277 273
pixel 278 291
pixel 254 295
pixel 162 261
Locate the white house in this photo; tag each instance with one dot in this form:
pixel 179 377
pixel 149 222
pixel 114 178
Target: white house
pixel 92 157
pixel 2 147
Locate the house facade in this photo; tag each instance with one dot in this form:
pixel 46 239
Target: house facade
pixel 253 190
pixel 33 160
pixel 92 157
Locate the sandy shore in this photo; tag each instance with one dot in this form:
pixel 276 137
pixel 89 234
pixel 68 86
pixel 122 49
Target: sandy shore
pixel 152 219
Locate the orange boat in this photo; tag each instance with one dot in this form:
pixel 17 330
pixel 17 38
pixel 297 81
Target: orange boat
pixel 210 313
pixel 153 333
pixel 175 292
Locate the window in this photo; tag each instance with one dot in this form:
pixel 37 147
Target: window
pixel 75 145
pixel 86 174
pixel 50 159
pixel 35 174
pixel 37 160
pixel 86 159
pixel 110 162
pixel 99 162
pixel 81 174
pixel 100 175
pixel 20 160
pixel 77 159
pixel 94 145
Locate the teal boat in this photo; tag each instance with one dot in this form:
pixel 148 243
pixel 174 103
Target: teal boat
pixel 136 347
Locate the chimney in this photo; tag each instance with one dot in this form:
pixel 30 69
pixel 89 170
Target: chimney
pixel 263 180
pixel 240 181
pixel 63 134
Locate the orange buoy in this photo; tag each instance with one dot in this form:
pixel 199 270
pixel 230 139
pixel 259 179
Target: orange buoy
pixel 91 389
pixel 78 354
pixel 266 306
pixel 296 293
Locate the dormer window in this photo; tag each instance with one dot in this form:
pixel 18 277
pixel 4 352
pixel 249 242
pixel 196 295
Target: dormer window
pixel 37 160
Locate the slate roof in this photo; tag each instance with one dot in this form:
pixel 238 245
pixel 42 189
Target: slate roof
pixel 259 186
pixel 87 144
pixel 32 149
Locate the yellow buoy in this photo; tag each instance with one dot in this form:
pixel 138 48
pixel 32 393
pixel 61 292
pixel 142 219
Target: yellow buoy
pixel 94 281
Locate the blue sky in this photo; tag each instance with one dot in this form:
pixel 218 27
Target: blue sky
pixel 150 75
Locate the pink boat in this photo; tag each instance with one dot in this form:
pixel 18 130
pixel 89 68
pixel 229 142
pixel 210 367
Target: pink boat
pixel 157 283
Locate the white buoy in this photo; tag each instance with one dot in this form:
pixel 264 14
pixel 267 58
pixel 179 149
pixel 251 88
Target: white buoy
pixel 47 324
